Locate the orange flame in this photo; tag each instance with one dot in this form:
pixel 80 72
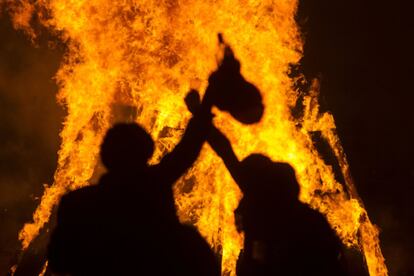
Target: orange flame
pixel 148 54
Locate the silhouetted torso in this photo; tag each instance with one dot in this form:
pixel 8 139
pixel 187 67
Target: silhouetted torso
pixel 113 229
pixel 287 240
pixel 282 235
pixel 127 224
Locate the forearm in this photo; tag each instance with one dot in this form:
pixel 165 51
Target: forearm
pixel 187 150
pixel 192 140
pixel 222 146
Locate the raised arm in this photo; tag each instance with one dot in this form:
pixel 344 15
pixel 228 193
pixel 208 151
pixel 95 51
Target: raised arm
pixel 217 140
pixel 176 163
pixel 222 146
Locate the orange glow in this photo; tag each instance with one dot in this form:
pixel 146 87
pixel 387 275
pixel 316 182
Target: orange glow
pixel 148 54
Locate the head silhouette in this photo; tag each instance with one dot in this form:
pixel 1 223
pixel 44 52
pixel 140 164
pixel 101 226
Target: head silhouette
pixel 267 179
pixel 126 146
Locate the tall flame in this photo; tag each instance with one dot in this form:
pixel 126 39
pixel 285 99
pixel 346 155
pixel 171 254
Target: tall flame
pixel 148 54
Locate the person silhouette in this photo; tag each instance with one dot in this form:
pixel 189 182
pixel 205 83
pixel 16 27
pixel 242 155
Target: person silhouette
pixel 282 235
pixel 127 224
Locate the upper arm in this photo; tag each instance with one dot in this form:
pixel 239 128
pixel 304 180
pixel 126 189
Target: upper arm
pixel 222 146
pixel 173 166
pixel 233 165
pixel 185 153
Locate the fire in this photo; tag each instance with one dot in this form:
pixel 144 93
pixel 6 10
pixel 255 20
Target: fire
pixel 148 54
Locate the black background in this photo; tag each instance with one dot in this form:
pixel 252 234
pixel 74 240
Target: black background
pixel 361 50
pixel 30 121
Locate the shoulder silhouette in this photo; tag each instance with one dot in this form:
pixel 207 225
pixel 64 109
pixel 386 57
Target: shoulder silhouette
pixel 126 224
pixel 282 235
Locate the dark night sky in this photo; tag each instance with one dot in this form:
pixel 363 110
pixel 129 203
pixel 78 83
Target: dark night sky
pixel 361 50
pixel 30 121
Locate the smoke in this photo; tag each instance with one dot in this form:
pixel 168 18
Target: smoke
pixel 30 121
